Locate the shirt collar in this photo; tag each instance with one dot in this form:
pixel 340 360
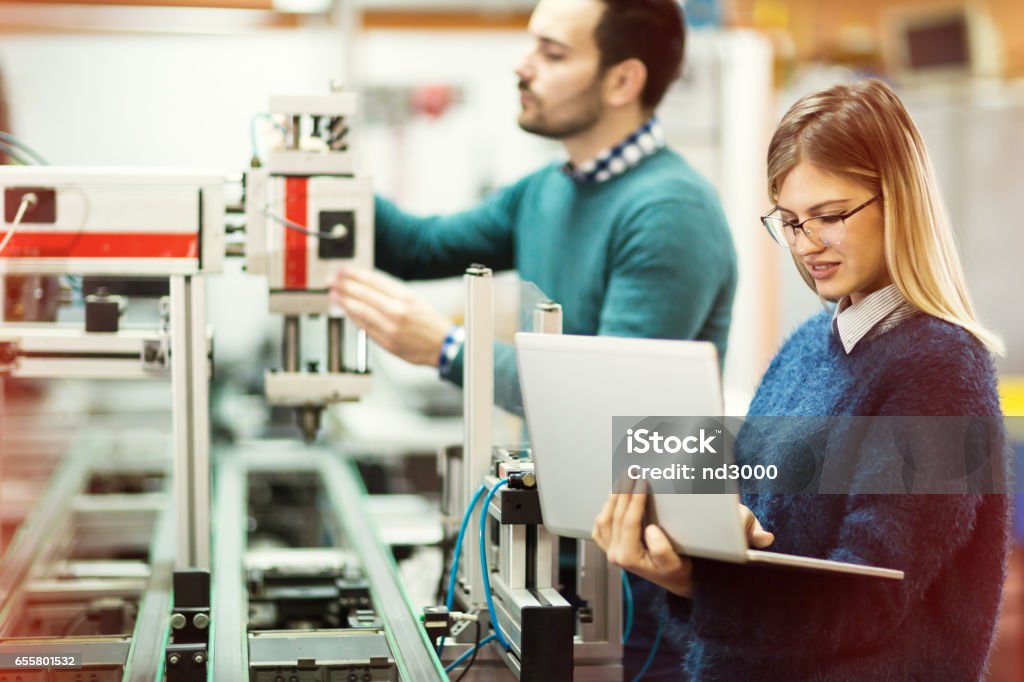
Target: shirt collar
pixel 614 161
pixel 852 322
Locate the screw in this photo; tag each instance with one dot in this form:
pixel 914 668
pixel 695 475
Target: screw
pixel 199 659
pixel 178 621
pixel 8 353
pixel 201 621
pixel 173 659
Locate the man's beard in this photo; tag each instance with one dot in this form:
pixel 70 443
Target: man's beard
pixel 588 111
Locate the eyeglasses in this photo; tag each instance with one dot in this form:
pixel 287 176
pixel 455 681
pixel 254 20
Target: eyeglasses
pixel 822 230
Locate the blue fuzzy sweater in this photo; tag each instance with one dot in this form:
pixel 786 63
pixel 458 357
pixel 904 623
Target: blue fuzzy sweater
pixel 759 623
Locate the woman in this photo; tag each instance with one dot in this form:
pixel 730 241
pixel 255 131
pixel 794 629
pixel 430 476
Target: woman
pixel 856 203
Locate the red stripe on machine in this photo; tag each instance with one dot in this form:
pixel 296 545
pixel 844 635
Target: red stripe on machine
pixel 295 256
pixel 102 245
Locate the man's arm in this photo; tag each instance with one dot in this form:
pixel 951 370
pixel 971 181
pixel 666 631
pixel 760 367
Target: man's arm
pixel 414 247
pixel 668 273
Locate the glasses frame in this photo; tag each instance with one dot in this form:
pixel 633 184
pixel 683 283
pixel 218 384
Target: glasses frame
pixel 800 226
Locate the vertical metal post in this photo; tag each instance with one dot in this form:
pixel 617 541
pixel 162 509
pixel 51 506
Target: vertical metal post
pixel 545 559
pixel 547 318
pixel 335 344
pixel 291 349
pixel 200 366
pixel 362 351
pixel 230 603
pixel 478 406
pixel 3 427
pixel 513 554
pixel 600 584
pixel 296 132
pixel 190 376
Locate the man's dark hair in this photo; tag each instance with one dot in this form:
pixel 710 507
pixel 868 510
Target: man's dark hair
pixel 652 31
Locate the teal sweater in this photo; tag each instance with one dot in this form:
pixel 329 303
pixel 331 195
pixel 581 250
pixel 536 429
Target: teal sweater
pixel 647 253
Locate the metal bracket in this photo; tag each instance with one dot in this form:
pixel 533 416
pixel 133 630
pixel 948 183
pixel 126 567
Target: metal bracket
pixel 155 355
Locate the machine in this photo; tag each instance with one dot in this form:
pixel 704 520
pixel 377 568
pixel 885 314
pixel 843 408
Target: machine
pixel 133 565
pixel 307 210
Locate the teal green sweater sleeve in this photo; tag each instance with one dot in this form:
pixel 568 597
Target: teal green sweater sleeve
pixel 507 394
pixel 414 247
pixel 668 277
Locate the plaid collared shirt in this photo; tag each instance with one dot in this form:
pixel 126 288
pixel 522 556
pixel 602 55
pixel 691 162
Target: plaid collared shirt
pixel 873 316
pixel 641 143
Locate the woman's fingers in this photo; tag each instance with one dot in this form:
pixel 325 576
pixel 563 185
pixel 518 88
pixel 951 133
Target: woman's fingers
pixel 615 539
pixel 647 552
pixel 603 524
pixel 660 548
pixel 630 544
pixel 668 569
pixel 756 535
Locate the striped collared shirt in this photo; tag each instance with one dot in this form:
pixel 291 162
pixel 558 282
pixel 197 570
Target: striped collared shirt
pixel 642 142
pixel 873 316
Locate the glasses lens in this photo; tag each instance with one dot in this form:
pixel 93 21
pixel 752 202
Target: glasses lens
pixel 826 230
pixel 778 230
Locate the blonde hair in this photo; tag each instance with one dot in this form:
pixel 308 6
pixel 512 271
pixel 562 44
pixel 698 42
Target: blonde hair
pixel 862 132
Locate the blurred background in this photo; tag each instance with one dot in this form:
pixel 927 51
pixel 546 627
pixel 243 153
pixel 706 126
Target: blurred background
pixel 182 82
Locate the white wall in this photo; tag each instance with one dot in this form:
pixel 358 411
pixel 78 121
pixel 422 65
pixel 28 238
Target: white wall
pixel 447 163
pixel 165 99
pixel 129 99
pixel 975 136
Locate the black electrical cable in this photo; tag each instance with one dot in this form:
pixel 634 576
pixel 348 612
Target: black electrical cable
pixel 447 543
pixel 476 650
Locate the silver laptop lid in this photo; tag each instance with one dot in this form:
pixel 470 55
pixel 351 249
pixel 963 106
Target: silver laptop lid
pixel 572 387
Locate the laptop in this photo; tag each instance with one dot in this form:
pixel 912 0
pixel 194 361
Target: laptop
pixel 572 388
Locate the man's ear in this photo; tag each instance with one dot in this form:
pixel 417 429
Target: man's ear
pixel 624 82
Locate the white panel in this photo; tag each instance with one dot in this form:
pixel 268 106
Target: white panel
pixel 100 266
pixel 337 104
pixel 310 163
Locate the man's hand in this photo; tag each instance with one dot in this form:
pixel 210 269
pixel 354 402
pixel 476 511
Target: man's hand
pixel 397 319
pixel 617 530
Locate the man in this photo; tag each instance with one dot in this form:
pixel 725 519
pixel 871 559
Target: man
pixel 625 235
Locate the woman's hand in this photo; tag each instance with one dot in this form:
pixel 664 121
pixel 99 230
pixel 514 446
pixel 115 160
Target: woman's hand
pixel 756 535
pixel 617 530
